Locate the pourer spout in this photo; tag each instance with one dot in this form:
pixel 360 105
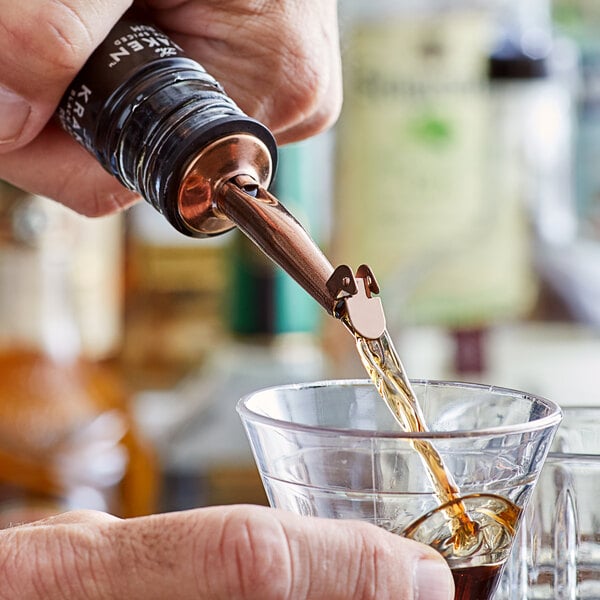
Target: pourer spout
pixel 260 216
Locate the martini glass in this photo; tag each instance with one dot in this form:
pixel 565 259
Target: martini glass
pixel 333 449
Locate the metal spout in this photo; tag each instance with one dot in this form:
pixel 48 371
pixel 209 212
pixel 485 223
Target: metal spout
pixel 278 234
pixel 358 309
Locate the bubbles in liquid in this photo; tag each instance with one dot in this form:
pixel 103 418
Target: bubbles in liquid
pixel 494 519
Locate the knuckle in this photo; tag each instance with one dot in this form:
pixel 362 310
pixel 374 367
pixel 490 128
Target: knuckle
pixel 308 87
pixel 10 570
pixel 91 191
pixel 54 40
pixel 327 115
pixel 306 79
pixel 368 575
pixel 66 35
pixel 73 552
pixel 102 202
pixel 376 555
pixel 38 563
pixel 257 553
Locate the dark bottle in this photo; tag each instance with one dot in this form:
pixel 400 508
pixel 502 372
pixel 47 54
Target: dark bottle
pixel 164 127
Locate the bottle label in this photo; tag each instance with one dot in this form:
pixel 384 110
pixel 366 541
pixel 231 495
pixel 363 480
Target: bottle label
pixel 412 199
pixel 127 47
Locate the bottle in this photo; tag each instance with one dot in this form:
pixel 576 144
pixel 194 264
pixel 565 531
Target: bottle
pixel 571 266
pixel 66 439
pixel 533 75
pixel 164 127
pixel 580 23
pixel 410 197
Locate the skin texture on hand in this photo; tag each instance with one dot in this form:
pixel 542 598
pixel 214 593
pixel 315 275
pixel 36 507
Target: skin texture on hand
pixel 229 553
pixel 278 59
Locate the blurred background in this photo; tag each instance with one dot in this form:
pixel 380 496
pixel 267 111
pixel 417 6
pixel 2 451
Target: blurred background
pixel 464 170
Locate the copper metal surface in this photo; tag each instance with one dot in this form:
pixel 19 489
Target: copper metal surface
pixel 360 310
pixel 233 155
pixel 224 186
pixel 281 237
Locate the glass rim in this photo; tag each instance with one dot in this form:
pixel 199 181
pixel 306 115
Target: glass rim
pixel 554 418
pixel 558 457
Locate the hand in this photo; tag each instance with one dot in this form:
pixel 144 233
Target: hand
pixel 278 59
pixel 229 553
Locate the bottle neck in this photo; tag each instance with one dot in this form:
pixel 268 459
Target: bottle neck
pixel 151 117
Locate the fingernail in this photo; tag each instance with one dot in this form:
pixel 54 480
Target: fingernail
pixel 14 112
pixel 433 581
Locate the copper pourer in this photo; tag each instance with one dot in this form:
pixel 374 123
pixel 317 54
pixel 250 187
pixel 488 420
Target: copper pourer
pixel 281 237
pixel 278 234
pixel 356 306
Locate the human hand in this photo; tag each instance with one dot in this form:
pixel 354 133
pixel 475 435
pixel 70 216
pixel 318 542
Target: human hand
pixel 279 60
pixel 233 553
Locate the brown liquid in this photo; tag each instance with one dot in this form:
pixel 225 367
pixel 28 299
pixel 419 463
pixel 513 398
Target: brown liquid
pixel 46 413
pixel 476 583
pixel 461 528
pixel 387 373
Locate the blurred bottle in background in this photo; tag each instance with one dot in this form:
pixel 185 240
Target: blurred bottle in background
pixel 534 76
pixel 410 196
pixel 66 437
pixel 271 336
pixel 174 294
pixel 579 21
pixel 571 267
pixel 409 191
pixel 453 145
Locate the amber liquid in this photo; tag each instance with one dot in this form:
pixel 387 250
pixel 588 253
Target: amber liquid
pixel 476 583
pixel 51 415
pixel 478 534
pixel 387 373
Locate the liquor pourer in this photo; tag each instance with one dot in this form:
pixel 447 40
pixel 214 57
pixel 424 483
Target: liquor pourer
pixel 164 127
pixel 356 305
pixel 260 216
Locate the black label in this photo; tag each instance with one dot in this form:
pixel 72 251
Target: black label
pixel 128 46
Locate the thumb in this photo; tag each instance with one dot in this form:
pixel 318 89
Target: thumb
pixel 236 552
pixel 44 43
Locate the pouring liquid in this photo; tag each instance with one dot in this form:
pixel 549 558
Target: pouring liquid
pixel 385 369
pixel 473 533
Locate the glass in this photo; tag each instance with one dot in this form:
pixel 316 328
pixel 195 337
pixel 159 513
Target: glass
pixel 332 449
pixel 556 555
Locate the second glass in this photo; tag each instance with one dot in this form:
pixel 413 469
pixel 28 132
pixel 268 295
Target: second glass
pixel 333 449
pixel 557 552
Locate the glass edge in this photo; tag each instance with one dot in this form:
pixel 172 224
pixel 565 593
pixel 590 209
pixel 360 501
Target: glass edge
pixel 543 423
pixel 570 457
